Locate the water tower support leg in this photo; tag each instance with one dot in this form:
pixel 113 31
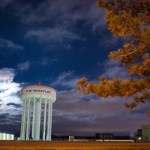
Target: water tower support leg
pixel 48 137
pixel 28 121
pixel 44 124
pixel 33 119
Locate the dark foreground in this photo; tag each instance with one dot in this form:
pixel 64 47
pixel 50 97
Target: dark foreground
pixel 30 145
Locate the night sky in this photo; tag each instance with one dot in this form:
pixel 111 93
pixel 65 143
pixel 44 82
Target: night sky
pixel 56 42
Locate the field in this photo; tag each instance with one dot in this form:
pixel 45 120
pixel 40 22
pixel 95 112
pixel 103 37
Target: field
pixel 30 145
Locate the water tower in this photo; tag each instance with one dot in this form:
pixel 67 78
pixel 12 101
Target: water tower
pixel 37 112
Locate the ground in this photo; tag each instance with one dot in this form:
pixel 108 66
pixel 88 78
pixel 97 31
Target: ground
pixel 33 145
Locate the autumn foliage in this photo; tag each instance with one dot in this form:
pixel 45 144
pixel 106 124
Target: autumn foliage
pixel 130 20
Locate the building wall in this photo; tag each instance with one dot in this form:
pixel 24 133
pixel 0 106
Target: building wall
pixel 146 132
pixel 4 136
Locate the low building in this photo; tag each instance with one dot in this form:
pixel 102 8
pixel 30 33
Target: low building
pixel 71 138
pixel 143 134
pixel 146 133
pixel 104 136
pixel 5 136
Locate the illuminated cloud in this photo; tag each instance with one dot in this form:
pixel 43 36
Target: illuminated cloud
pixel 9 91
pixel 6 75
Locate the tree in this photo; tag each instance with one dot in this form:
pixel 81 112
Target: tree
pixel 130 20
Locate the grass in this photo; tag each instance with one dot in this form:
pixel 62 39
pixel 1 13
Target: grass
pixel 43 145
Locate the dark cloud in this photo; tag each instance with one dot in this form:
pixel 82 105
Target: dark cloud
pixel 90 127
pixel 62 12
pixel 14 104
pixel 5 3
pixel 58 19
pixel 78 116
pixel 10 123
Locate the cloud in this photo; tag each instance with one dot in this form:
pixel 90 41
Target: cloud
pixel 90 113
pixel 112 69
pixel 66 80
pixel 62 12
pixel 5 3
pixel 6 75
pixel 95 115
pixel 73 112
pixel 59 19
pixel 95 17
pixel 110 41
pixel 57 34
pixel 8 91
pixel 24 66
pixel 10 103
pixel 46 61
pixel 7 44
